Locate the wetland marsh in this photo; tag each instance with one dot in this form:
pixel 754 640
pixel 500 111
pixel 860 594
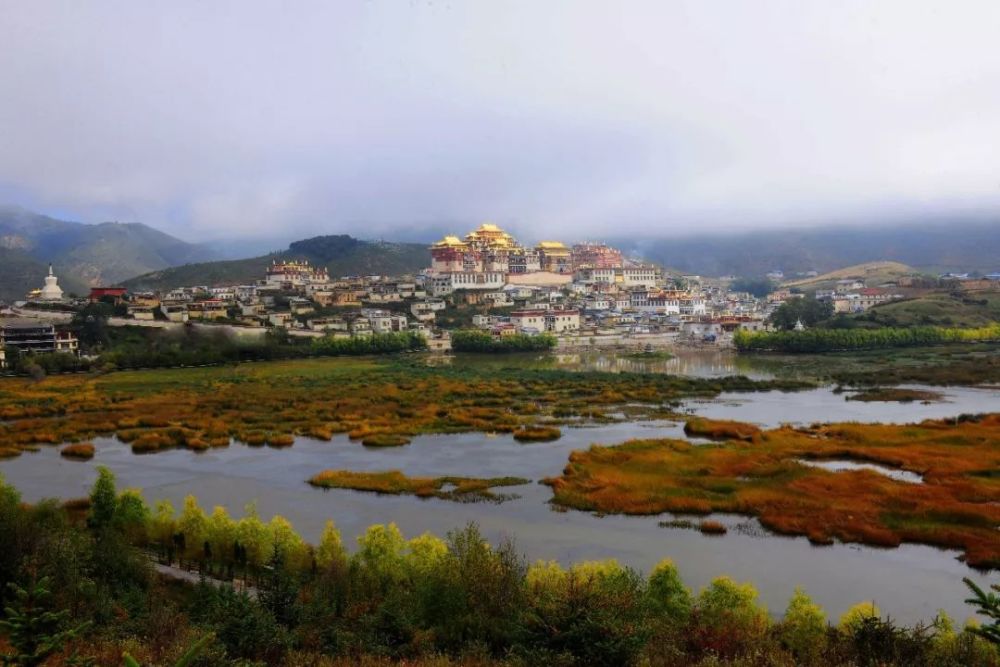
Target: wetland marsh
pixel 461 421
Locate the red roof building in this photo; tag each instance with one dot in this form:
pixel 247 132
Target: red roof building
pixel 98 293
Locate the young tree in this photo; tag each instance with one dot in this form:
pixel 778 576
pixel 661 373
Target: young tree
pixel 668 596
pixel 330 552
pixel 162 526
pixel 988 605
pixel 857 615
pixel 35 631
pixel 103 500
pixel 221 533
pixel 280 592
pixel 193 525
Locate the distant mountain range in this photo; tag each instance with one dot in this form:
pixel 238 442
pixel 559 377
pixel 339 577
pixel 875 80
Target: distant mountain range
pixel 139 256
pixel 930 246
pixel 82 255
pixel 341 254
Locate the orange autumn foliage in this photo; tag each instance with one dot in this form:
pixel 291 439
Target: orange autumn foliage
pixel 956 506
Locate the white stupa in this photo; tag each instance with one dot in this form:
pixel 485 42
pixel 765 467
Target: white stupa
pixel 51 291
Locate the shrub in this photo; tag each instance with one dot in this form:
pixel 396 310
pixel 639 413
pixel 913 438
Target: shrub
pixel 856 615
pixel 727 618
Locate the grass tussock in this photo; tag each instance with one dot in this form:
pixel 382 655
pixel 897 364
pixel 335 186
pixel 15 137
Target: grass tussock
pixel 537 434
pixel 80 451
pixel 712 528
pixel 957 505
pixel 394 482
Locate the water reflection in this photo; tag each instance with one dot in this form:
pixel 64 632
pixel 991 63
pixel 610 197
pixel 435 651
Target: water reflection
pixel 842 466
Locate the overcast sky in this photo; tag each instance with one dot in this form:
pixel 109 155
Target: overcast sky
pixel 557 119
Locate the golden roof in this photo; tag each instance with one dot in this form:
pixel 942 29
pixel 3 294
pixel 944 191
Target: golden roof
pixel 449 242
pixel 552 245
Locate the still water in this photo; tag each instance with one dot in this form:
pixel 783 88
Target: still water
pixel 910 582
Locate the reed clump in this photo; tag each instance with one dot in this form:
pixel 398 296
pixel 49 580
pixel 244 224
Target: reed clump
pixel 957 505
pixel 537 434
pixel 712 528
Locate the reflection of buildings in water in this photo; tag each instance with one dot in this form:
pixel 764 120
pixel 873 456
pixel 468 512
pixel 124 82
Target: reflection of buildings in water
pixel 695 364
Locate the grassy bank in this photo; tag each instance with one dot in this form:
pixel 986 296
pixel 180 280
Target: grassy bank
pixel 956 506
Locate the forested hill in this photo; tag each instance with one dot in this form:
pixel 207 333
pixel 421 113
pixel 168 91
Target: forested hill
pixel 340 254
pixel 85 254
pixel 940 246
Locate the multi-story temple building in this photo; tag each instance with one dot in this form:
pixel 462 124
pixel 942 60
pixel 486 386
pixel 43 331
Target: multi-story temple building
pixel 488 257
pixel 596 256
pixel 296 273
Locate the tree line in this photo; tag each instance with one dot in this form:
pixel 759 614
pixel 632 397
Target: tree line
pixel 193 347
pixel 831 340
pixel 77 585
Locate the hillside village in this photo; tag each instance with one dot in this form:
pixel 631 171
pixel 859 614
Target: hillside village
pixel 586 295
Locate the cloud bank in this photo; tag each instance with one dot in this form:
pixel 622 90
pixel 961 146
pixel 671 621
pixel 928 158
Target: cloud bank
pixel 563 118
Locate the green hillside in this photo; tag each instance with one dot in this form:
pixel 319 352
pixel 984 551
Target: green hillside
pixel 943 309
pixel 341 255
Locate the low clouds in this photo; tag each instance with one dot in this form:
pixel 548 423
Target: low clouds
pixel 576 118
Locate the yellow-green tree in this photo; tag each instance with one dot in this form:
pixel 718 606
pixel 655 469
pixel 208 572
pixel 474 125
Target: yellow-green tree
pixel 330 553
pixel 253 534
pixel 667 594
pixel 193 524
pixel 221 534
pixel 853 618
pixel 803 629
pixel 162 525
